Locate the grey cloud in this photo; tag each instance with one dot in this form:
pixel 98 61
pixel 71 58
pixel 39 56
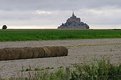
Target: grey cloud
pixel 56 4
pixel 23 12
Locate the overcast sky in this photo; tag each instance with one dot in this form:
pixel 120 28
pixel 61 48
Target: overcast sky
pixel 98 14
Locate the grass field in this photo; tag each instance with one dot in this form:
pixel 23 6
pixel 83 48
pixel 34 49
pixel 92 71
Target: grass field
pixel 23 35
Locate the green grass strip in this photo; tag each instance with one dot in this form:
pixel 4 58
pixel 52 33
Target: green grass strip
pixel 27 35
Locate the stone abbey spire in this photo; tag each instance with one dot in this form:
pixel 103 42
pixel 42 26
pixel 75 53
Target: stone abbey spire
pixel 73 15
pixel 73 23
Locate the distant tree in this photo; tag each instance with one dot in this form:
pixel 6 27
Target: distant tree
pixel 4 27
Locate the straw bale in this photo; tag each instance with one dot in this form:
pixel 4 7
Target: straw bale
pixel 41 52
pixel 11 53
pixel 55 51
pixel 47 51
pixel 35 52
pixel 29 52
pixel 63 51
pixel 22 53
pixel 3 54
pixel 25 53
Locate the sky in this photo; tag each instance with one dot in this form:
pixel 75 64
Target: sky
pixel 49 14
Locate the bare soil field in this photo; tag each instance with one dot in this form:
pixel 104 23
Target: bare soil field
pixel 80 51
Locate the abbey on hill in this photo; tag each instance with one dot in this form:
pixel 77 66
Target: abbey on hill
pixel 73 23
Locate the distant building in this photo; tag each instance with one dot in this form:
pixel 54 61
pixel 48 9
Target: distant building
pixel 73 23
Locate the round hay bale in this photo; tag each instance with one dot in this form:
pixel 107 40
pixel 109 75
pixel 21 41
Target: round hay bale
pixel 63 51
pixel 54 51
pixel 47 51
pixel 18 52
pixel 3 54
pixel 25 53
pixel 12 53
pixel 41 52
pixel 29 52
pixel 35 52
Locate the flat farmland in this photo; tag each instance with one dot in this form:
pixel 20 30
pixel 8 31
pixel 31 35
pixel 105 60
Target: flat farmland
pixel 80 51
pixel 83 46
pixel 54 34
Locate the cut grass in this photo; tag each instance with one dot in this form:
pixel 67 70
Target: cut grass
pixel 54 34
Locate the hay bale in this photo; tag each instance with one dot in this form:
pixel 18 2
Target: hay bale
pixel 11 53
pixel 41 52
pixel 3 54
pixel 35 52
pixel 8 54
pixel 29 52
pixel 25 53
pixel 47 51
pixel 63 51
pixel 55 51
